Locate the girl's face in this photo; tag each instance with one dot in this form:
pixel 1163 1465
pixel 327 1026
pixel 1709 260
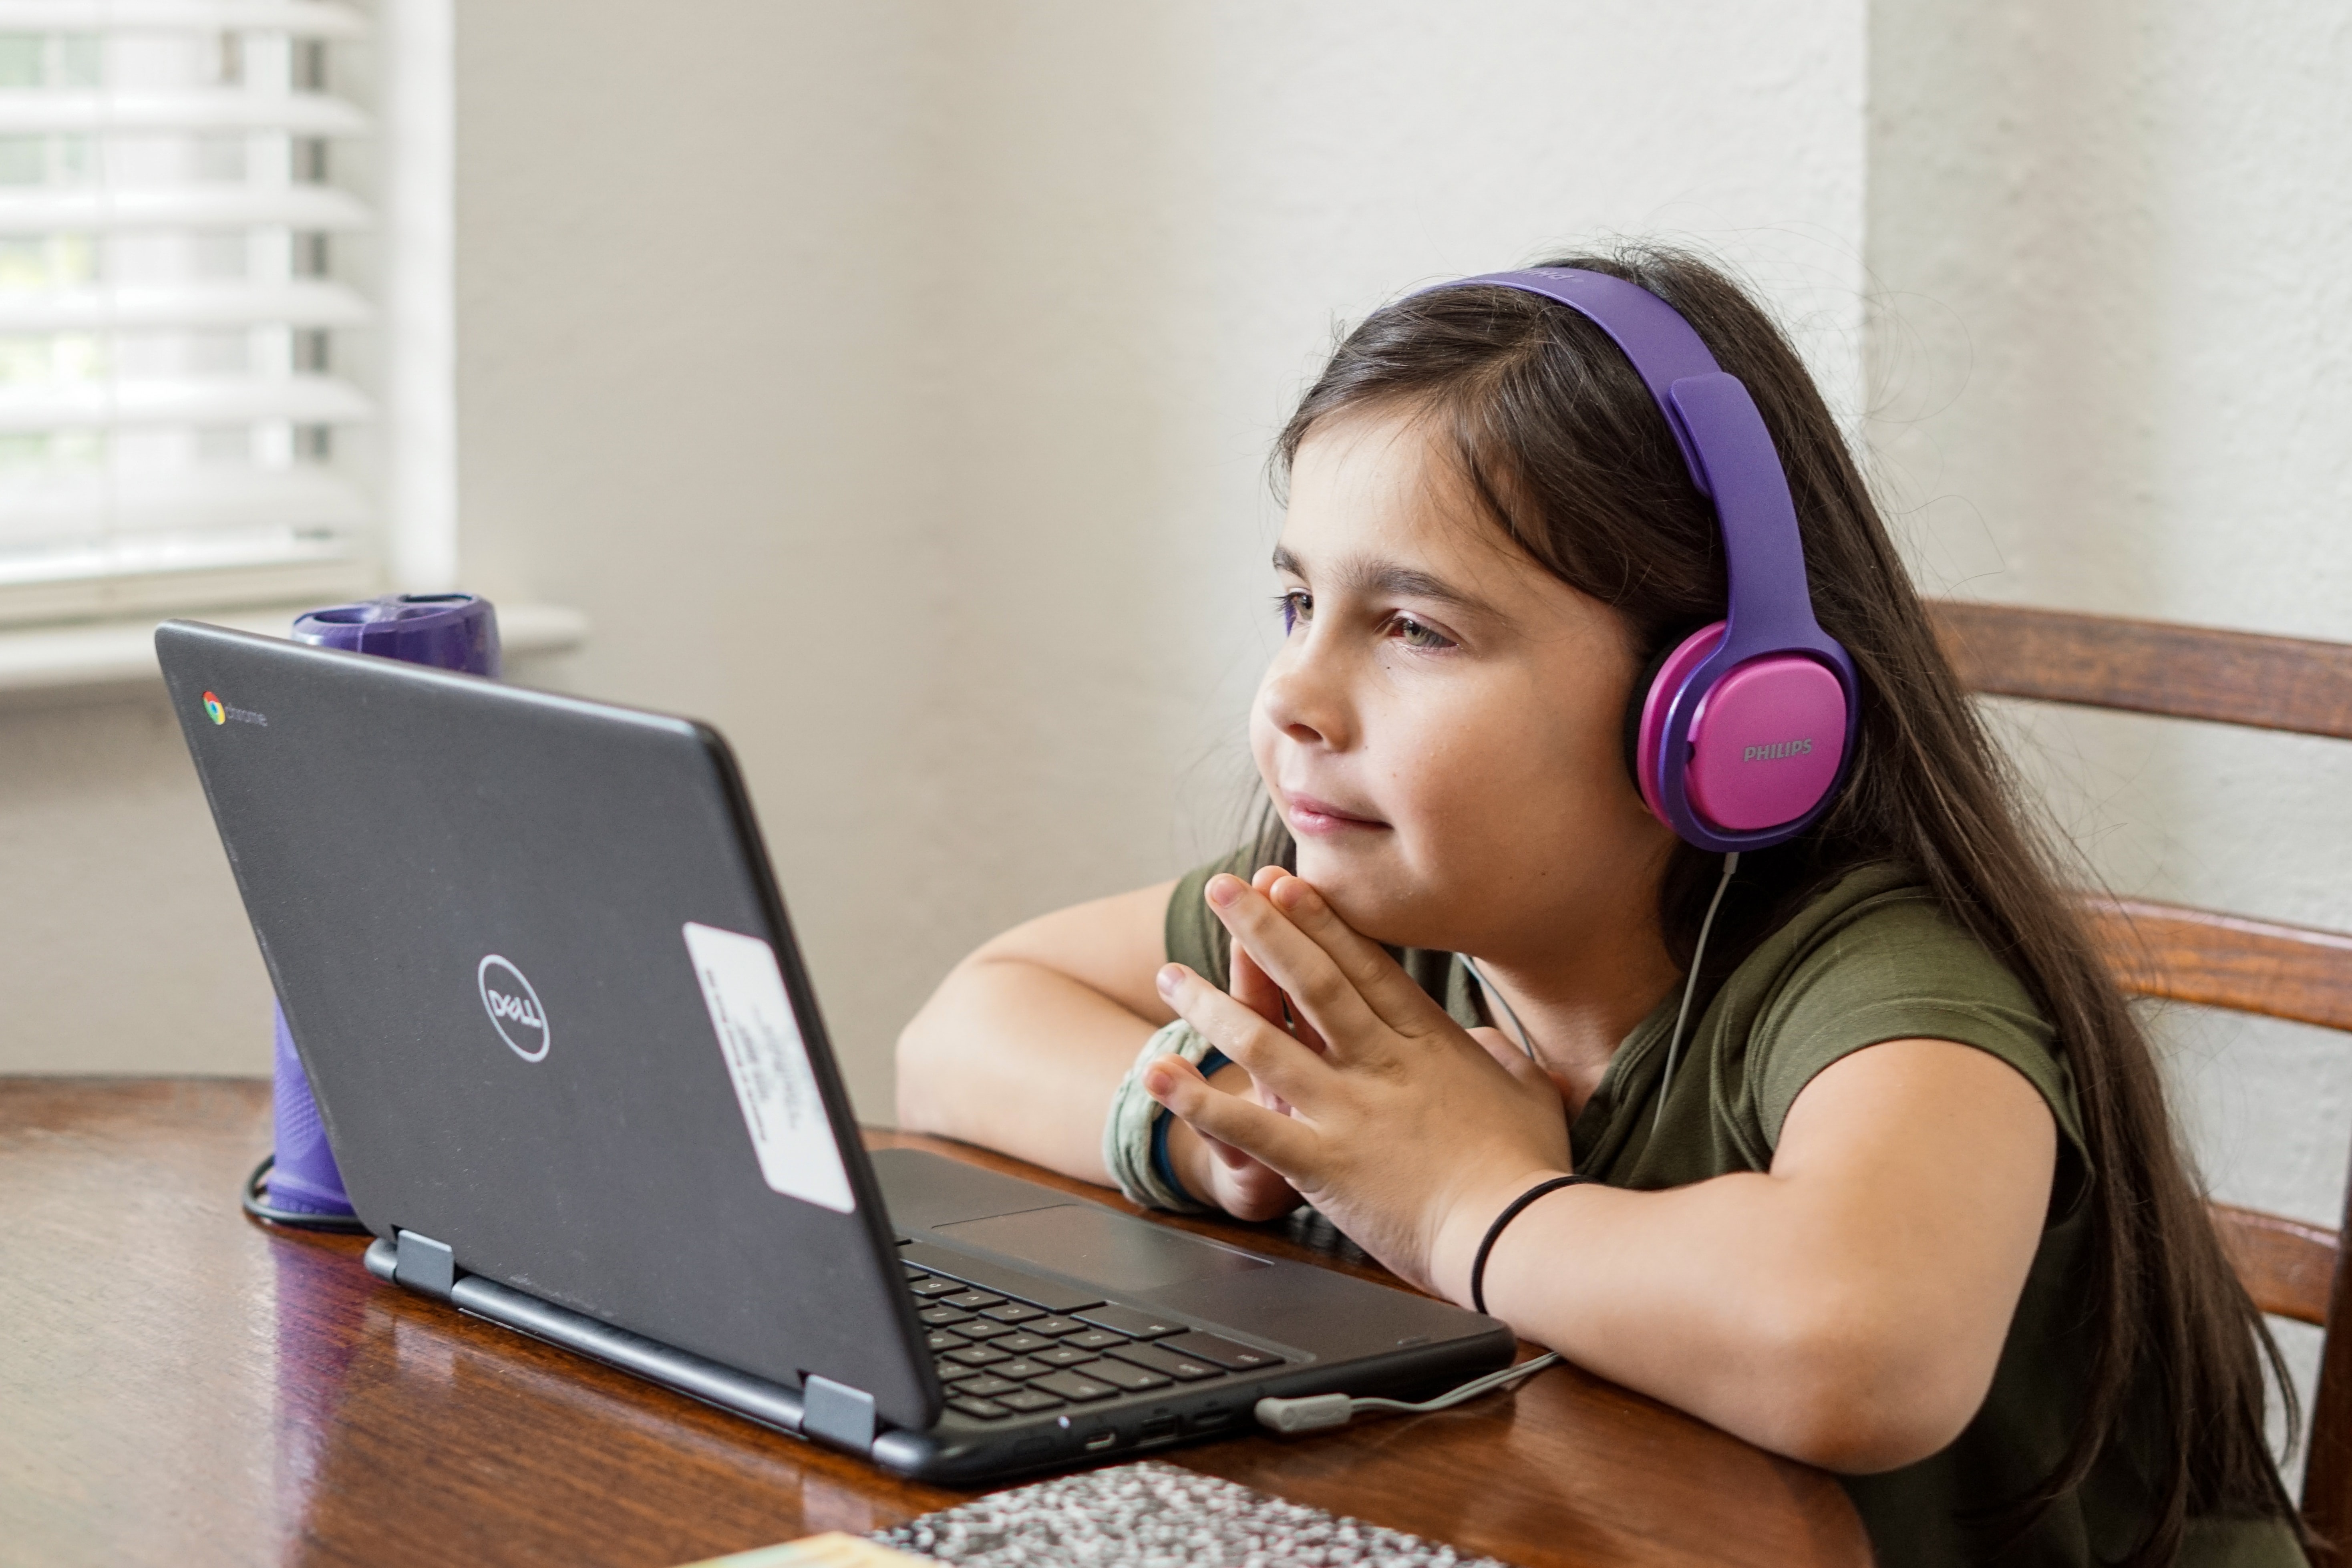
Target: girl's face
pixel 1442 727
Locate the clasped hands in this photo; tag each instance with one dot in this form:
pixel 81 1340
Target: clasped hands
pixel 1409 1132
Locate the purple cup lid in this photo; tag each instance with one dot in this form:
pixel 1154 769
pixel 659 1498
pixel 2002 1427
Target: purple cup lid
pixel 448 631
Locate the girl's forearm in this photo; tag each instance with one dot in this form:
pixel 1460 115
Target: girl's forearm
pixel 1019 1057
pixel 1733 1299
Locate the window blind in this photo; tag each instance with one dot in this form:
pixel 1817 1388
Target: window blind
pixel 186 375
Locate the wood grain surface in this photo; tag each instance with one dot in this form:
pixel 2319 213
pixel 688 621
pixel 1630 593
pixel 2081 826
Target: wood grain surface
pixel 2150 667
pixel 183 1386
pixel 2216 960
pixel 2287 1265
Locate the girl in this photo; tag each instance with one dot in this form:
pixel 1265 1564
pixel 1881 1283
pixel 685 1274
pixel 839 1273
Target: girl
pixel 1854 1151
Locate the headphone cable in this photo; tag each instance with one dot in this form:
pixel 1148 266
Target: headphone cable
pixel 1690 985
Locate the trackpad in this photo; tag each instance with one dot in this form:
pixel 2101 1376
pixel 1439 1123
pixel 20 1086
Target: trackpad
pixel 1103 1248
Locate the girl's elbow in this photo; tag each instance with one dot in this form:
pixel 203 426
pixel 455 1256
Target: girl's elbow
pixel 1869 1393
pixel 922 1107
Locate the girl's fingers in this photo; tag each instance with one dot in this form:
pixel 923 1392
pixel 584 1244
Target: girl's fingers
pixel 1279 1142
pixel 1324 995
pixel 1276 1062
pixel 1254 989
pixel 1368 970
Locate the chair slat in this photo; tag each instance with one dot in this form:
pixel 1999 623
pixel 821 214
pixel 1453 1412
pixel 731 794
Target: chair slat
pixel 2150 667
pixel 2225 961
pixel 2285 1265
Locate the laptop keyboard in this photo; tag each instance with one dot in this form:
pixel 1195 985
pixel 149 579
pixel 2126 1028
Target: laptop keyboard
pixel 999 1356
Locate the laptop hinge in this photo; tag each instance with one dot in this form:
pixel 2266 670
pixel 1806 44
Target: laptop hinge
pixel 837 1415
pixel 424 1265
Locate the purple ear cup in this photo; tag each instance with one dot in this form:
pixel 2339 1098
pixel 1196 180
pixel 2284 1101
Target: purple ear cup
pixel 1749 727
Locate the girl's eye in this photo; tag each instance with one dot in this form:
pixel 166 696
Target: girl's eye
pixel 1295 606
pixel 1416 635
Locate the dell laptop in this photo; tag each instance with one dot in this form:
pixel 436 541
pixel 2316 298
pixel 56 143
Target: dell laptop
pixel 538 969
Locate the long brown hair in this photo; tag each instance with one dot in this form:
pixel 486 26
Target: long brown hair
pixel 1571 457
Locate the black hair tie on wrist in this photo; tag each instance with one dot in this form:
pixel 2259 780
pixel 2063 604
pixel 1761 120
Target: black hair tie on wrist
pixel 1494 1232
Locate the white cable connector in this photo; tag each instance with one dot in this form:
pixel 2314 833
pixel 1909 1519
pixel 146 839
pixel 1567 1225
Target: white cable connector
pixel 1315 1412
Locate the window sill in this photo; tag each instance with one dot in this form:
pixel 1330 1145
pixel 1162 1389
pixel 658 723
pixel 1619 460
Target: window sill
pixel 69 660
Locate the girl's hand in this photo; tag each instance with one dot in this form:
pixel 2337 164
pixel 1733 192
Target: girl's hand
pixel 1410 1133
pixel 1218 1172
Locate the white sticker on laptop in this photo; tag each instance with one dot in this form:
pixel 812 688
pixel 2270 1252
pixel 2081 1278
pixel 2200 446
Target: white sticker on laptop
pixel 770 1065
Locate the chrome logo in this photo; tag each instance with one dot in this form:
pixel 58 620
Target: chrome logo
pixel 213 710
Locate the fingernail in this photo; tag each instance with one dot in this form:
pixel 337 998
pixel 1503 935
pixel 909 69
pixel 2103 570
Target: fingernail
pixel 1171 976
pixel 1224 890
pixel 1158 1081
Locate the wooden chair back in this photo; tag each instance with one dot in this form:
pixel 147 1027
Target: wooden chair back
pixel 2291 1268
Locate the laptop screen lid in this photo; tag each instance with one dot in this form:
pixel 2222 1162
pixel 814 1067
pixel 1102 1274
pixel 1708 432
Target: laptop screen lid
pixel 531 954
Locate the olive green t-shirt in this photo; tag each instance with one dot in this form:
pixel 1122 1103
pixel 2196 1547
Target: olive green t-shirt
pixel 1872 959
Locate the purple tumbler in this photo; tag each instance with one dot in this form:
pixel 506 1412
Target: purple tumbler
pixel 449 631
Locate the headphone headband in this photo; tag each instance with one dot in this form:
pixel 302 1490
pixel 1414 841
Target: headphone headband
pixel 1732 460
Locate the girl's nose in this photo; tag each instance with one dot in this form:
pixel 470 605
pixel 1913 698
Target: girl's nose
pixel 1303 699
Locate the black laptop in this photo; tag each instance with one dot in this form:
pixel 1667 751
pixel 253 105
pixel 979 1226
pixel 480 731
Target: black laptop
pixel 537 967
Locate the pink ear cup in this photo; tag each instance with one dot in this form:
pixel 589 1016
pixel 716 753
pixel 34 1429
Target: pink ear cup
pixel 1687 656
pixel 1765 744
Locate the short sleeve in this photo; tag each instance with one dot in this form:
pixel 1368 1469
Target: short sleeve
pixel 1197 938
pixel 1901 969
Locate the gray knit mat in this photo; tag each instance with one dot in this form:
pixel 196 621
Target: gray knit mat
pixel 1155 1515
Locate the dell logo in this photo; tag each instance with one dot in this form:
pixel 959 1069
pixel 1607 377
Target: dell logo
pixel 1769 753
pixel 513 1008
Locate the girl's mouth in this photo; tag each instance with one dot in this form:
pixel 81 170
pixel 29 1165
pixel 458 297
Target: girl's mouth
pixel 1321 818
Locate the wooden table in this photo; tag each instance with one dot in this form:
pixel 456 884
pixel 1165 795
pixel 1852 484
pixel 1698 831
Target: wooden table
pixel 182 1385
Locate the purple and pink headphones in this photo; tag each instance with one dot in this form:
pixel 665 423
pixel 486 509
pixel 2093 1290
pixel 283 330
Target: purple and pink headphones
pixel 1746 730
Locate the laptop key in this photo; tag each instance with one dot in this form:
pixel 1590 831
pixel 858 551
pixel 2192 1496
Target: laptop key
pixel 1169 1362
pixel 941 1317
pixel 935 1286
pixel 1120 1375
pixel 1030 1399
pixel 1224 1352
pixel 1011 1312
pixel 1012 1282
pixel 949 1371
pixel 944 1340
pixel 978 1355
pixel 987 1385
pixel 1055 1326
pixel 1073 1385
pixel 981 1329
pixel 984 1409
pixel 1129 1320
pixel 972 1300
pixel 1020 1343
pixel 1021 1367
pixel 1063 1355
pixel 1095 1340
